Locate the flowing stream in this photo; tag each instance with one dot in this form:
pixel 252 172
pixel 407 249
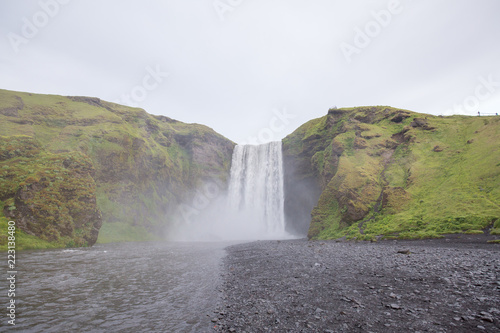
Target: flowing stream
pixel 128 287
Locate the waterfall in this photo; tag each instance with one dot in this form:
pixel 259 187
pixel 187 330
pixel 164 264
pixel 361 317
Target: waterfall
pixel 256 187
pixel 252 208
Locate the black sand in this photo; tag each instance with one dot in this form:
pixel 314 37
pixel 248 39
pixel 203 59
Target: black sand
pixel 395 286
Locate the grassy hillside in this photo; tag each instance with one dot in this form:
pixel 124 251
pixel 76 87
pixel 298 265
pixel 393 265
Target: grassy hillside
pixel 395 173
pixel 139 166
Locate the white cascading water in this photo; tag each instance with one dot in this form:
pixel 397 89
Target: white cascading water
pixel 256 187
pixel 251 209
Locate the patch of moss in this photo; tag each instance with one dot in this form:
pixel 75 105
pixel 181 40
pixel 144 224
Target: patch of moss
pixel 495 231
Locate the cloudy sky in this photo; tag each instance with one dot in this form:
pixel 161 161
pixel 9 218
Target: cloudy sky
pixel 254 70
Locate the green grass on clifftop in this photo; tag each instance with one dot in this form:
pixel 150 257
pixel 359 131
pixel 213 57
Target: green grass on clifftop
pixel 398 174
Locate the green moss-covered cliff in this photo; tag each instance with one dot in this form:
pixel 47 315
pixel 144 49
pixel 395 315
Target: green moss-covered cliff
pixel 378 171
pixel 71 164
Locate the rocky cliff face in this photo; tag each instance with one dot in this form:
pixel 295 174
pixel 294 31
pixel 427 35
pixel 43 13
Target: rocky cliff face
pixel 302 182
pixel 83 157
pixel 378 171
pixel 50 196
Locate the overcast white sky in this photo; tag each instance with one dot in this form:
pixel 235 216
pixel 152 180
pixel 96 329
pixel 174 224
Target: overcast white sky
pixel 233 64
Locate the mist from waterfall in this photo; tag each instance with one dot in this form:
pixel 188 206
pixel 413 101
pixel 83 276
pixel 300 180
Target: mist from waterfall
pixel 251 207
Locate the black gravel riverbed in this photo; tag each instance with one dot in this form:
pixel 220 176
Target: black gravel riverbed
pixel 393 286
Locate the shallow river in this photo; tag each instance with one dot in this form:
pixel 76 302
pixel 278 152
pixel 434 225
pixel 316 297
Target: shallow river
pixel 129 287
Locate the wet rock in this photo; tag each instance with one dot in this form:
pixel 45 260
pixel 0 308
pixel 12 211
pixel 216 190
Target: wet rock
pixel 486 316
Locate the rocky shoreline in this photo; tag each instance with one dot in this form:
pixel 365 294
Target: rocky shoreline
pixel 447 285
